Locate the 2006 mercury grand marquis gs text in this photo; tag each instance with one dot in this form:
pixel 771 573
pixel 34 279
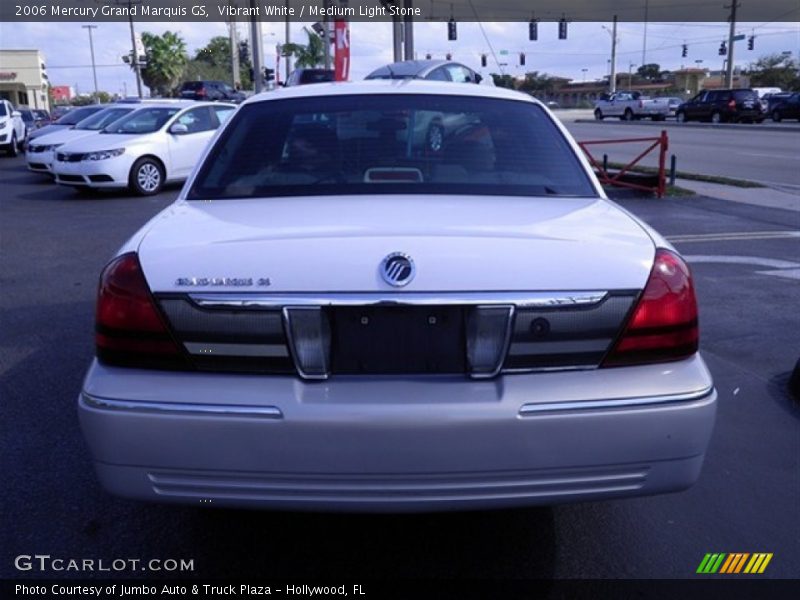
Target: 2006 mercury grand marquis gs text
pixel 338 314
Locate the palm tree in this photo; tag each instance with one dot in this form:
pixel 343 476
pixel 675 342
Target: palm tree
pixel 309 56
pixel 166 61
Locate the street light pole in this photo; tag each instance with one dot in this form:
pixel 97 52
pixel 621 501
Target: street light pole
pixel 612 79
pixel 729 70
pixel 94 68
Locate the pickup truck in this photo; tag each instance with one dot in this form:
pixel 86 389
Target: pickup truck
pixel 629 106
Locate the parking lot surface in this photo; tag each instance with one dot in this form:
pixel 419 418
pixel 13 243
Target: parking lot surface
pixel 54 244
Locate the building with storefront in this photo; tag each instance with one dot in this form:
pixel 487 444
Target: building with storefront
pixel 23 78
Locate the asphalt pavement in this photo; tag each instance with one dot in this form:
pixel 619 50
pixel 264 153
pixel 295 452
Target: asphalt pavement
pixel 54 244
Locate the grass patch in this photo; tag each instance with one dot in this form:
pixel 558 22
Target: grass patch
pixel 741 183
pixel 674 191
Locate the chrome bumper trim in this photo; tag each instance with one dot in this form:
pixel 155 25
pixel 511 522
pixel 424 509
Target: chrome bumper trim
pixel 216 410
pixel 518 299
pixel 611 403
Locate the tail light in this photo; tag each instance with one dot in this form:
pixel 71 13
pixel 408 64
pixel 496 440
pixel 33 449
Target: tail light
pixel 663 325
pixel 202 92
pixel 129 329
pixel 732 104
pixel 641 104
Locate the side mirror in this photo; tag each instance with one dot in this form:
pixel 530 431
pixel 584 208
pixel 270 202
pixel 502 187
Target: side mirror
pixel 478 77
pixel 16 113
pixel 178 129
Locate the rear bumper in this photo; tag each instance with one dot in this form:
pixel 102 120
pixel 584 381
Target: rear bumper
pixel 398 444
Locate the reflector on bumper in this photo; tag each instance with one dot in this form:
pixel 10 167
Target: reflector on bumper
pixel 488 336
pixel 309 336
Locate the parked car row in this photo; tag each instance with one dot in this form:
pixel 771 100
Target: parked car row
pixel 715 106
pixel 136 146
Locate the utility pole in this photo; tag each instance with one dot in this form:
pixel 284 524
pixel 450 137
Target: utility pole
pixel 613 78
pixel 286 43
pixel 137 67
pixel 236 77
pixel 729 70
pixel 94 68
pixel 255 45
pixel 326 35
pixel 408 43
pixel 644 42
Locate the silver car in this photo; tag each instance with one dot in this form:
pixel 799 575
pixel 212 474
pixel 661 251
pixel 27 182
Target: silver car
pixel 341 321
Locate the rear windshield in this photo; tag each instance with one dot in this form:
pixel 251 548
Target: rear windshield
pixel 372 144
pixel 145 120
pixel 73 117
pixel 105 117
pixel 740 95
pixel 315 76
pixel 192 85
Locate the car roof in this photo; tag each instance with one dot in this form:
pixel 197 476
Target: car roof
pixel 390 86
pixel 412 68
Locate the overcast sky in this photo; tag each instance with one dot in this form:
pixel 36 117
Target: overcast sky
pixel 66 46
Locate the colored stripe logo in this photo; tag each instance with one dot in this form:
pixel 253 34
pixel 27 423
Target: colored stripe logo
pixel 734 563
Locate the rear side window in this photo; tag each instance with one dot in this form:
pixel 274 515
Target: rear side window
pixel 742 95
pixel 379 144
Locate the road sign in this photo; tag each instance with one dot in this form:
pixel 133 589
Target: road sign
pixel 503 52
pixel 739 37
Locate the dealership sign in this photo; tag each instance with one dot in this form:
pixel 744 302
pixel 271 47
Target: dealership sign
pixel 7 76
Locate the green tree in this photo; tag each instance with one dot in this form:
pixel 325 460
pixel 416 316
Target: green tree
pixel 215 57
pixel 649 72
pixel 775 70
pixel 308 56
pixel 166 61
pixel 504 81
pixel 540 84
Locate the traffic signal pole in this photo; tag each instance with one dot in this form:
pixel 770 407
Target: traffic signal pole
pixel 729 71
pixel 255 44
pixel 612 84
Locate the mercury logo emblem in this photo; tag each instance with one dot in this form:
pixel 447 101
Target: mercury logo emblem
pixel 398 269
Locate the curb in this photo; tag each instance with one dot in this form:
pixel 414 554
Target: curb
pixel 723 126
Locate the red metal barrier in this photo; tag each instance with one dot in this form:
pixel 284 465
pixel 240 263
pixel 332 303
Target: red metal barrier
pixel 619 178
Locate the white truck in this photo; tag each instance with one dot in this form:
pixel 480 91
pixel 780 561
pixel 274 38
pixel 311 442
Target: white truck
pixel 629 106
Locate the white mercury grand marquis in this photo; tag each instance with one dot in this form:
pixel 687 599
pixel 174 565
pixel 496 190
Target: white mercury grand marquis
pixel 337 314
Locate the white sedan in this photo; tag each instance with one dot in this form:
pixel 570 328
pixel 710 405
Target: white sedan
pixel 156 144
pixel 12 128
pixel 41 152
pixel 348 322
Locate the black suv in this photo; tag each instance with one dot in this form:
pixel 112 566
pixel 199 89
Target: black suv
pixel 719 106
pixel 210 90
pixel 787 106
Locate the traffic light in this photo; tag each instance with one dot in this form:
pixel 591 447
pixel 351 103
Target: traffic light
pixel 685 51
pixel 269 74
pixel 723 49
pixel 483 60
pixel 562 29
pixel 448 56
pixel 244 52
pixel 751 42
pixel 533 30
pixel 452 30
pixel 521 59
